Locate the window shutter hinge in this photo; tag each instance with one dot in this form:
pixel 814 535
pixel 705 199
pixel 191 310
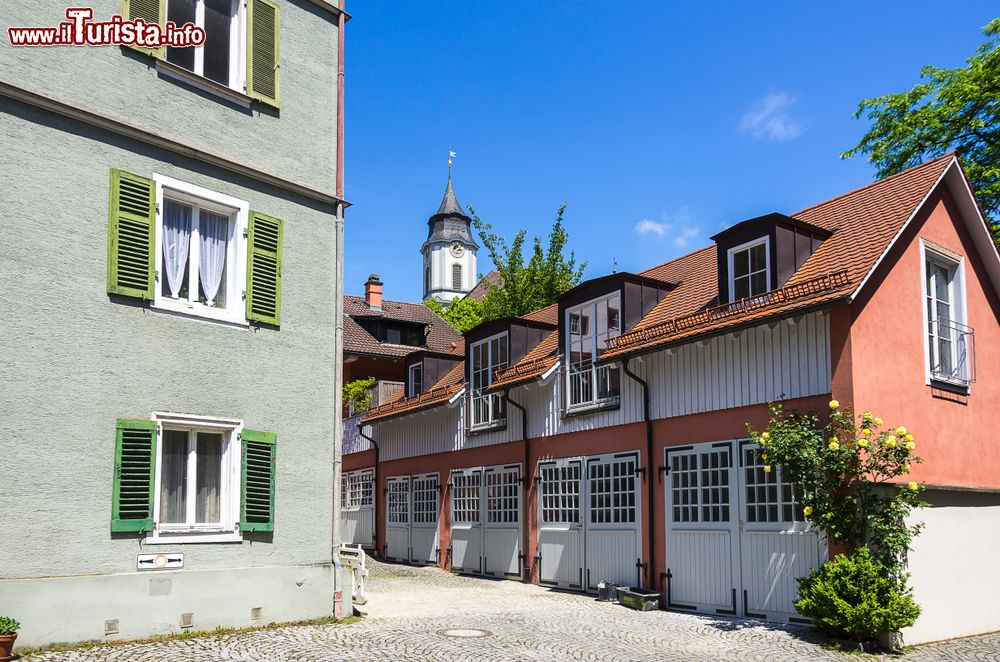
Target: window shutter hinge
pixel 246 232
pixel 244 295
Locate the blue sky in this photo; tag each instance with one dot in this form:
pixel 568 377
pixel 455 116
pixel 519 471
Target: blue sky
pixel 659 123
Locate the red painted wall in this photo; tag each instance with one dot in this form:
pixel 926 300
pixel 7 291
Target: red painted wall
pixel 954 434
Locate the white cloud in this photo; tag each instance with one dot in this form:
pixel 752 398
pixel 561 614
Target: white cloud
pixel 676 227
pixel 770 118
pixel 649 226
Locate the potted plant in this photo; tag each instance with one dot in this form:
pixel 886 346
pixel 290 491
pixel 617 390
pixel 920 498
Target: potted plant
pixel 8 633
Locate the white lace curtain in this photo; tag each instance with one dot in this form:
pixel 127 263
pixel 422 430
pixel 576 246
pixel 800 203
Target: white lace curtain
pixel 214 231
pixel 176 241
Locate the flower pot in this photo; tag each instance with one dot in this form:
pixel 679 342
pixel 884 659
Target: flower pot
pixel 6 645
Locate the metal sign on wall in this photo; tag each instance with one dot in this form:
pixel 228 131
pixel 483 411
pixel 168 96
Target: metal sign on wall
pixel 159 561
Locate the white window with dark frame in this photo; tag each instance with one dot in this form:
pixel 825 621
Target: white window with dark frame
pixel 488 410
pixel 589 327
pixel 416 380
pixel 950 348
pixel 223 55
pixel 201 250
pixel 749 269
pixel 197 480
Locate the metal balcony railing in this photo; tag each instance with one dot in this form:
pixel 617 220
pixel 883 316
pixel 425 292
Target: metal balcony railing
pixel 952 351
pixel 487 411
pixel 590 386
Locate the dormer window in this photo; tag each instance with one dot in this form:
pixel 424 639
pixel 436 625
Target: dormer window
pixel 589 328
pixel 488 410
pixel 416 379
pixel 749 271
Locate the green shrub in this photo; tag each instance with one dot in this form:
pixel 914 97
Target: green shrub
pixel 856 597
pixel 8 626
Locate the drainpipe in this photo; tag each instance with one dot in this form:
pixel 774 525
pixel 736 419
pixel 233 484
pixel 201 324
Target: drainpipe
pixel 526 576
pixel 649 468
pixel 376 505
pixel 340 101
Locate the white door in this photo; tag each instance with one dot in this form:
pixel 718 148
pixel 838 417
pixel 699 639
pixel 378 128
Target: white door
pixel 702 536
pixel 502 521
pixel 612 527
pixel 397 503
pixel 560 523
pixel 777 545
pixel 424 521
pixel 466 521
pixel 357 513
pixel 736 538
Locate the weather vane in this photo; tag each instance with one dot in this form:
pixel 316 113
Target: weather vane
pixel 451 157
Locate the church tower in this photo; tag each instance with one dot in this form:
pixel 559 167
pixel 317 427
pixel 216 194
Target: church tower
pixel 449 252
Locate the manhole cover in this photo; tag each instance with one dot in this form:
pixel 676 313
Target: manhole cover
pixel 464 633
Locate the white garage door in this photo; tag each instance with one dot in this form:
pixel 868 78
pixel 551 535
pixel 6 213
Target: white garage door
pixel 412 515
pixel 736 538
pixel 589 521
pixel 357 513
pixel 486 521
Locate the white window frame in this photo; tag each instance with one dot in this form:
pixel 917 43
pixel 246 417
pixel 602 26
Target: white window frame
pixel 236 272
pixel 353 490
pixel 492 400
pixel 411 382
pixel 956 293
pixel 229 498
pixel 767 266
pixel 237 47
pixel 595 370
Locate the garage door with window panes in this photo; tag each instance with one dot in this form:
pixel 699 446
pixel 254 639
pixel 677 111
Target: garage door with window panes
pixel 589 521
pixel 486 521
pixel 736 536
pixel 397 543
pixel 357 513
pixel 412 516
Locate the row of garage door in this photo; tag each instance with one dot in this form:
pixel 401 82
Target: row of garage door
pixel 736 538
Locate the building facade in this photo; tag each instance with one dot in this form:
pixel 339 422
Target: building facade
pixel 171 322
pixel 604 438
pixel 449 251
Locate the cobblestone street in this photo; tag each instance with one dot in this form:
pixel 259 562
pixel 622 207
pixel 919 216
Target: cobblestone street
pixel 410 609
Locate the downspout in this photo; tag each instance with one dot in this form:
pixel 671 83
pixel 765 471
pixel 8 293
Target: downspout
pixel 526 576
pixel 376 506
pixel 649 469
pixel 338 333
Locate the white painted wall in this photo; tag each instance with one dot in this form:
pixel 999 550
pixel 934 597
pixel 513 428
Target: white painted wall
pixel 953 566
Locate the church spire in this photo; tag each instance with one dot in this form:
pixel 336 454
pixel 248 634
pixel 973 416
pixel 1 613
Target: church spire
pixel 449 203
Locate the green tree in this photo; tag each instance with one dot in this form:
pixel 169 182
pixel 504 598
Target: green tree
pixel 954 109
pixel 462 314
pixel 526 286
pixel 357 394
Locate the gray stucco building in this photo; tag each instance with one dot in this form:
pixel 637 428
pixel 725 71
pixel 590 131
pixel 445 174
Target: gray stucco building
pixel 170 322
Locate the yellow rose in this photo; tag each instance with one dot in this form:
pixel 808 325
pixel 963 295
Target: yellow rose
pixel 890 441
pixel 833 445
pixel 862 442
pixel 767 468
pixel 900 431
pixel 833 440
pixel 909 437
pixel 866 432
pixel 906 468
pixel 878 421
pixel 834 404
pixel 912 486
pixel 807 511
pixel 765 435
pixel 867 416
pixel 763 456
pixel 910 445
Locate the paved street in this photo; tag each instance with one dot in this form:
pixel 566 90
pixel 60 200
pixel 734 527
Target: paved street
pixel 410 610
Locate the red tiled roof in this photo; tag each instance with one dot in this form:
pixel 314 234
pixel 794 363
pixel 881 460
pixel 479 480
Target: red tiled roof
pixel 357 340
pixel 532 366
pixel 549 315
pixel 479 291
pixel 441 392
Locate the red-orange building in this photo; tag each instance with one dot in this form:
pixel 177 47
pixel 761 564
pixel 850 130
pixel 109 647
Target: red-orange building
pixel 604 438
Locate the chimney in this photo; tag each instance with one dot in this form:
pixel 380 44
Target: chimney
pixel 373 292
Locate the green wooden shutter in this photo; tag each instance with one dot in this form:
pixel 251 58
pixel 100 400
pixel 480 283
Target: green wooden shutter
pixel 135 468
pixel 151 11
pixel 257 493
pixel 131 235
pixel 263 51
pixel 264 269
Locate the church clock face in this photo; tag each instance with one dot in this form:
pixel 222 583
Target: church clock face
pixel 457 249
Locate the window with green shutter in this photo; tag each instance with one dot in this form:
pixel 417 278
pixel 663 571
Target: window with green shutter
pixel 131 236
pixel 257 500
pixel 263 51
pixel 134 477
pixel 151 11
pixel 264 269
